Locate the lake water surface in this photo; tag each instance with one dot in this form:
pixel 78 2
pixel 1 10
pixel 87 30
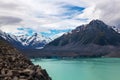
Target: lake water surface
pixel 81 69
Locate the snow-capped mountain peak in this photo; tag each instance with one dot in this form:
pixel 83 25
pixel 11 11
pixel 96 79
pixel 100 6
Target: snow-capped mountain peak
pixel 35 38
pixel 36 41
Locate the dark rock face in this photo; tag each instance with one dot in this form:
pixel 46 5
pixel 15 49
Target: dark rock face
pixel 14 66
pixel 95 39
pixel 96 32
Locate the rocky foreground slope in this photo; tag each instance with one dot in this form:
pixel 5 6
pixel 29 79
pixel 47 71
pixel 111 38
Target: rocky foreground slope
pixel 14 66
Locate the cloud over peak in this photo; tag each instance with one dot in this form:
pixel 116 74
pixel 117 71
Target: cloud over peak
pixel 46 15
pixel 9 20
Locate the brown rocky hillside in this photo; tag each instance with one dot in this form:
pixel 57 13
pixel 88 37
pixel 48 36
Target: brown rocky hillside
pixel 14 66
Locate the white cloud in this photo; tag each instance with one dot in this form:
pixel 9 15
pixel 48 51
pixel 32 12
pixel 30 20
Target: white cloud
pixel 110 12
pixel 43 15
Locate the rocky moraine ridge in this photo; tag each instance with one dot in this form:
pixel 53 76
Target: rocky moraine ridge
pixel 14 66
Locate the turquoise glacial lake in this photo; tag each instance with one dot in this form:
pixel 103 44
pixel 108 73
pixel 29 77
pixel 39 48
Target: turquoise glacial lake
pixel 81 69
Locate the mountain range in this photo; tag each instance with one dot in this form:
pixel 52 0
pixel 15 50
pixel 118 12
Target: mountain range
pixel 35 41
pixel 95 39
pixel 96 32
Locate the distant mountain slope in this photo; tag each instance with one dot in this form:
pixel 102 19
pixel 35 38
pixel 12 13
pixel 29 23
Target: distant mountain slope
pixel 12 39
pixel 96 32
pixel 95 39
pixel 14 66
pixel 36 41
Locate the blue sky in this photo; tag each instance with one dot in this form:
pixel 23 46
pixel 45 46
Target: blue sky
pixel 54 17
pixel 52 33
pixel 71 11
pixel 29 31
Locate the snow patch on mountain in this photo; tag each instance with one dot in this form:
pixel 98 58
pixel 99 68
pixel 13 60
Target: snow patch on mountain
pixel 36 41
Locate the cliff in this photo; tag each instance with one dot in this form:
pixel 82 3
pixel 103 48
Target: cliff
pixel 95 39
pixel 15 66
